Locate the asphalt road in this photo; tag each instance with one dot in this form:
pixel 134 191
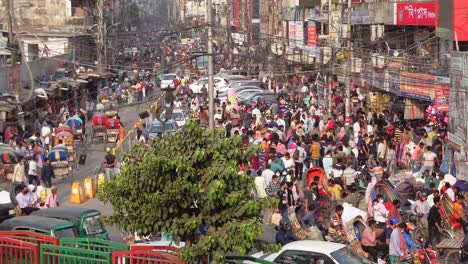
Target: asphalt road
pixel 95 152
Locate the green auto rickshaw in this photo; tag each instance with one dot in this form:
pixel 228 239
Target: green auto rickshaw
pixel 41 225
pixel 87 222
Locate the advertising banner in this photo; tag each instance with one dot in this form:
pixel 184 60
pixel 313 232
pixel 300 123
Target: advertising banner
pixel 292 33
pixel 311 34
pixel 460 19
pixel 417 86
pixel 299 33
pixel 416 14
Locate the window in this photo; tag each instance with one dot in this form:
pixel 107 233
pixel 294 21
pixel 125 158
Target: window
pixel 296 257
pixel 33 52
pixel 92 225
pixel 63 233
pixel 316 258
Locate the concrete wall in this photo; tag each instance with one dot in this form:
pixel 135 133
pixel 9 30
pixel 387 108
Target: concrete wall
pixel 38 68
pixel 51 14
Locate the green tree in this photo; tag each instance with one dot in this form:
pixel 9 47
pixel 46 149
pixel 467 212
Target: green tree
pixel 184 181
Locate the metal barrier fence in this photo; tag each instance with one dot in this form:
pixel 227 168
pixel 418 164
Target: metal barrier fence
pixel 94 244
pixel 144 257
pixel 30 237
pixel 50 254
pixel 18 252
pixel 125 144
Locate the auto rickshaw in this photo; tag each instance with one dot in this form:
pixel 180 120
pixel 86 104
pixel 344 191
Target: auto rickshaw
pixel 41 225
pixel 112 129
pixel 87 222
pixel 60 161
pixel 99 126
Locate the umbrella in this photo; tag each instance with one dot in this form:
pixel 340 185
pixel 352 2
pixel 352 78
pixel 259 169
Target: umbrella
pixel 8 155
pixel 74 123
pixel 63 134
pixel 77 118
pixel 64 128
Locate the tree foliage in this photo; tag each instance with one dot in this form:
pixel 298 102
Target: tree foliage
pixel 183 181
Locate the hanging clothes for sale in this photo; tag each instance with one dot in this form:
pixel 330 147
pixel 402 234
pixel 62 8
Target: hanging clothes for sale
pixel 413 110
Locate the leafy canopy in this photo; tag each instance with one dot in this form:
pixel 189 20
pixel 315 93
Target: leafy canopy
pixel 184 181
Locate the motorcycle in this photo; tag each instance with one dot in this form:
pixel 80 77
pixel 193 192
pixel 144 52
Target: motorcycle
pixel 425 255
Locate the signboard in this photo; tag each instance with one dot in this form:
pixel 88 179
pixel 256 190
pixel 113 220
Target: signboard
pixel 458 99
pixel 358 17
pixel 299 33
pixel 417 86
pixel 393 79
pixel 311 34
pixel 292 33
pixel 416 14
pixel 460 19
pixel 335 28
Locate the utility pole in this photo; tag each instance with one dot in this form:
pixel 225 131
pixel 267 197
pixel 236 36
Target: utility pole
pixel 101 29
pixel 13 49
pixel 210 64
pixel 348 72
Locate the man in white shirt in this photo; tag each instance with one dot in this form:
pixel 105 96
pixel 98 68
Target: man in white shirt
pixel 299 163
pixel 25 202
pixel 256 113
pixel 218 117
pixel 379 210
pixel 429 160
pixel 33 174
pixel 280 121
pixel 356 129
pixel 421 207
pixel 45 135
pixel 268 174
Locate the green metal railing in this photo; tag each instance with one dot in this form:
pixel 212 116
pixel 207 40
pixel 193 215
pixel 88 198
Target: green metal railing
pixel 94 244
pixel 50 254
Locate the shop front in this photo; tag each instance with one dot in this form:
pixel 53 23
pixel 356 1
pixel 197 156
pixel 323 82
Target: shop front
pixel 383 88
pixel 424 94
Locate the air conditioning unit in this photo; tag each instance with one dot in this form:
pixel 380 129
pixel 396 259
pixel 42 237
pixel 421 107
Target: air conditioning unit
pixel 374 59
pixel 380 63
pixel 377 31
pixel 356 65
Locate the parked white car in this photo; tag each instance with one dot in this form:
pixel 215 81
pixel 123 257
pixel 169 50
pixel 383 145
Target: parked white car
pixel 178 116
pixel 219 83
pixel 168 80
pixel 310 251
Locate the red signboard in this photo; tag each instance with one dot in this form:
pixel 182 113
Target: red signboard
pixel 460 19
pixel 312 34
pixel 416 14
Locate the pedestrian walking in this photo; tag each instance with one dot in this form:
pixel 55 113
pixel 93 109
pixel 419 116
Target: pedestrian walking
pixel 47 174
pixel 52 199
pixel 109 163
